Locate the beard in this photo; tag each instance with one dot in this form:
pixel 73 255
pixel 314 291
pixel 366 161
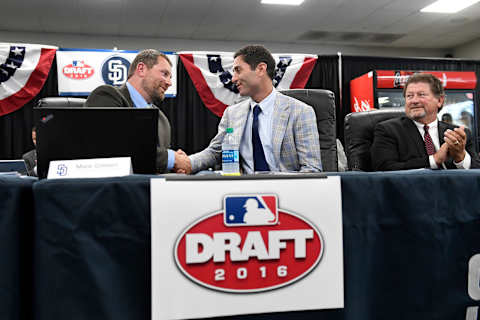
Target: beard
pixel 157 98
pixel 152 89
pixel 416 114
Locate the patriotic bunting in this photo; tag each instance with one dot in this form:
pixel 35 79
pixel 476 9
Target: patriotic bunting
pixel 24 69
pixel 211 74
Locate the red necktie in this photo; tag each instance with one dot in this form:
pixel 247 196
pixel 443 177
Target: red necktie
pixel 429 146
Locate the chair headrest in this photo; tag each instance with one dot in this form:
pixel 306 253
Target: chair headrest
pixel 323 103
pixel 315 97
pixel 60 102
pixel 359 133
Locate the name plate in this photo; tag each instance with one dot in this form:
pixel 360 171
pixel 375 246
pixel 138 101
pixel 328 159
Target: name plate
pixel 90 168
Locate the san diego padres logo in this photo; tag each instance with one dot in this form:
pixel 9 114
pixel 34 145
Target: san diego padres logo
pixel 115 70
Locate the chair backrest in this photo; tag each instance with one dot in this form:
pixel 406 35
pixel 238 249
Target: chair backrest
pixel 359 132
pixel 61 102
pixel 323 102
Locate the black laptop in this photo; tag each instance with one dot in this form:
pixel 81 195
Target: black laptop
pixel 13 166
pixel 87 133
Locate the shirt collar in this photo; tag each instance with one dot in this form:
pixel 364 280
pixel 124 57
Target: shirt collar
pixel 431 125
pixel 266 104
pixel 137 98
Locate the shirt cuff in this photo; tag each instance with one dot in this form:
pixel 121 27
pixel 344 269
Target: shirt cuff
pixel 192 162
pixel 433 164
pixel 465 163
pixel 171 159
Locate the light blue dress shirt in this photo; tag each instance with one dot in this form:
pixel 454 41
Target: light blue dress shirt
pixel 140 102
pixel 265 121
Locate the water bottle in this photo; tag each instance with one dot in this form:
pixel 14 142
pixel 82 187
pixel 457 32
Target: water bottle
pixel 230 155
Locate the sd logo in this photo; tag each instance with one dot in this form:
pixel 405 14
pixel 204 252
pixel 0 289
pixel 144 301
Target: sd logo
pixel 115 70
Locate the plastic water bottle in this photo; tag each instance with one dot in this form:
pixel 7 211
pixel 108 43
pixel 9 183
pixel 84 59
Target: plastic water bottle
pixel 230 155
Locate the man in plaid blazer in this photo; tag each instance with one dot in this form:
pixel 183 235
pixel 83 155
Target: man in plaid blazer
pixel 286 127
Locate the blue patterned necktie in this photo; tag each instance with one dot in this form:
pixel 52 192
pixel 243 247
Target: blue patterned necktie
pixel 259 161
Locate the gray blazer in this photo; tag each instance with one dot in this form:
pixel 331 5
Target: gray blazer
pixel 296 145
pixel 30 158
pixel 109 96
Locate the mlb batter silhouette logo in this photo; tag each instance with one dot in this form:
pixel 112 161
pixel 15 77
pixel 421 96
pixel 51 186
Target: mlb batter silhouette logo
pixel 250 210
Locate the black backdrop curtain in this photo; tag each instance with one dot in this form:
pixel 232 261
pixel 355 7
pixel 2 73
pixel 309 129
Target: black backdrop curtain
pixel 194 125
pixel 16 127
pixel 325 76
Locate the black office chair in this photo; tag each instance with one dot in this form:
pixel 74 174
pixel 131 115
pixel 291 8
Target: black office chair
pixel 359 130
pixel 60 102
pixel 323 102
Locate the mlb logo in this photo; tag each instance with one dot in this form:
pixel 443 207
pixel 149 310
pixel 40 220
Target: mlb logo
pixel 77 63
pixel 250 210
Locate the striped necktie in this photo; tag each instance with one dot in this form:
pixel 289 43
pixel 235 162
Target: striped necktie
pixel 429 146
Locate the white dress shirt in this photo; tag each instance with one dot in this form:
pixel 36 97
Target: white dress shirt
pixel 433 131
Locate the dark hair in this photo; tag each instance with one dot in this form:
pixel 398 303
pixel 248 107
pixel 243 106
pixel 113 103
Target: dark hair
pixel 254 55
pixel 149 57
pixel 434 82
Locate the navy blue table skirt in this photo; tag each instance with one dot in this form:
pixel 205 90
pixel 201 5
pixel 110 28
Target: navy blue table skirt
pixel 408 238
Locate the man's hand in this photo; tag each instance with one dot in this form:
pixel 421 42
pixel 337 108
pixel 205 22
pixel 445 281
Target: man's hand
pixel 456 140
pixel 441 155
pixel 182 162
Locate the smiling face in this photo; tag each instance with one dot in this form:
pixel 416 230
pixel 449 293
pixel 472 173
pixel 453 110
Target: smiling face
pixel 248 81
pixel 157 80
pixel 421 104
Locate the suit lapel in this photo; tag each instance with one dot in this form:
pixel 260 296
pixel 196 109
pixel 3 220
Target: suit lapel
pixel 415 136
pixel 442 127
pixel 240 119
pixel 281 114
pixel 126 94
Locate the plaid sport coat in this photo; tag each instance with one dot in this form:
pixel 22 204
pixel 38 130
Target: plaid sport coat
pixel 296 145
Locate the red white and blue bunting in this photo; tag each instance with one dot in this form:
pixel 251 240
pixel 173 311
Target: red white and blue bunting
pixel 24 69
pixel 212 76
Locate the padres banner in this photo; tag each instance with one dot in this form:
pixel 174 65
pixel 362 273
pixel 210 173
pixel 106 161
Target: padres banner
pixel 211 73
pixel 82 70
pixel 245 246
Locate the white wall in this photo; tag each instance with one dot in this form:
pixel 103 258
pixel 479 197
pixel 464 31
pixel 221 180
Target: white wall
pixel 468 51
pixel 136 43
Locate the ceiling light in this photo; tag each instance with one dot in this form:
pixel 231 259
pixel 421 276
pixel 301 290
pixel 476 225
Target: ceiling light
pixel 448 6
pixel 284 2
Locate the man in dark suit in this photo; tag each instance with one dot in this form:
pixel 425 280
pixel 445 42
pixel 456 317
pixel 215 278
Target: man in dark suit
pixel 419 139
pixel 149 77
pixel 30 157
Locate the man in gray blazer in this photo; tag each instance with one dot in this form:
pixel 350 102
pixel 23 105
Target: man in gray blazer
pixel 275 132
pixel 149 77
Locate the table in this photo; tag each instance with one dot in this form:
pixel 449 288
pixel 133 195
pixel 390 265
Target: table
pixel 408 238
pixel 16 247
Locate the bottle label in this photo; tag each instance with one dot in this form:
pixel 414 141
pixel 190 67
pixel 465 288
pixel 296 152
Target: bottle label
pixel 230 156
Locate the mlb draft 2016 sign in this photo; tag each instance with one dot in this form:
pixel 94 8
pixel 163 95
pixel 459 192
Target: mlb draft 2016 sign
pixel 80 71
pixel 240 247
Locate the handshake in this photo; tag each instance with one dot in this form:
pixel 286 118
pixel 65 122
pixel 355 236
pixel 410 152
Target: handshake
pixel 182 163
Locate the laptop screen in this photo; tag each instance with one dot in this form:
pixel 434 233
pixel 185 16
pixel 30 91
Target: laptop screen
pixel 19 166
pixel 87 133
